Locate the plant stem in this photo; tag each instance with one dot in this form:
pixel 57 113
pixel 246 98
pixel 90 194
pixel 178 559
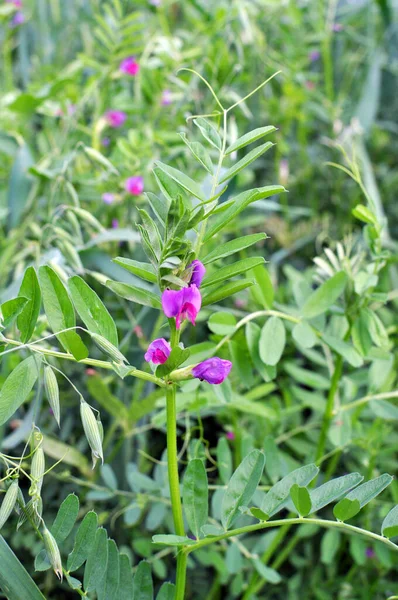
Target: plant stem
pixel 328 415
pixel 181 575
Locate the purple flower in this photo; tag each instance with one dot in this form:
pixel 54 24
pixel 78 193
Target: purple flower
pixel 134 185
pixel 17 19
pixel 158 351
pixel 166 98
pixel 182 304
pixel 106 141
pixel 16 3
pixel 108 198
pixel 230 435
pixel 115 223
pixel 198 272
pixel 314 55
pixel 337 27
pixel 129 66
pixel 212 370
pixel 370 553
pixel 155 2
pixel 115 118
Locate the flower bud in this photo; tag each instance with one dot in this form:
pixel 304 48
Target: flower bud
pixel 92 431
pixel 52 391
pixel 53 553
pixel 8 503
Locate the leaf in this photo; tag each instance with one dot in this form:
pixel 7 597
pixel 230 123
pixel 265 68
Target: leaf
pixel 208 132
pixel 301 499
pixel 325 296
pixel 176 358
pixel 160 206
pixel 233 287
pixel 276 498
pixel 242 486
pixel 108 588
pixel 15 581
pixel 273 466
pixel 347 351
pixel 166 592
pixel 304 335
pixel 233 246
pixel 253 333
pixel 97 561
pixel 263 292
pixel 237 268
pixel 362 494
pixel 172 540
pixel 10 309
pixel 91 310
pixel 384 410
pixel 272 341
pixel 27 319
pixel 195 496
pixel 307 377
pixel 246 161
pixel 126 578
pixel 183 180
pixel 224 459
pixel 249 138
pixel 222 323
pixel 84 541
pixel 333 489
pixel 389 527
pixel 60 313
pixel 144 270
pixel 65 519
pixel 99 158
pixel 346 509
pixel 265 572
pixel 134 294
pixel 142 585
pixel 364 214
pixel 238 204
pixel 199 152
pixel 19 185
pixel 18 386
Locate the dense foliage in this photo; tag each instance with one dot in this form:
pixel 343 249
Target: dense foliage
pixel 198 299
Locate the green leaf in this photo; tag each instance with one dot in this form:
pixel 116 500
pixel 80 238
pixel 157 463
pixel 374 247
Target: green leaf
pixel 233 287
pixel 11 309
pixel 18 386
pixel 362 494
pixel 60 313
pixel 99 158
pixel 15 581
pixel 65 519
pixel 199 152
pixel 347 351
pixel 330 546
pixel 346 509
pixel 183 180
pixel 27 319
pixel 249 138
pixel 108 588
pixel 265 572
pixel 364 214
pixel 253 333
pixel 19 185
pixel 160 206
pixel 246 161
pixel 222 323
pixel 384 410
pixel 272 341
pixel 143 586
pixel 301 499
pixel 92 311
pixel 273 466
pixel 195 496
pixel 263 292
pixel 304 335
pixel 277 497
pixel 166 592
pixel 143 270
pixel 126 578
pixel 242 486
pixel 224 459
pixel 238 204
pixel 307 377
pixel 333 489
pixel 176 358
pixel 208 132
pixel 167 185
pixel 325 296
pixel 172 540
pixel 97 561
pixel 134 294
pixel 237 268
pixel 84 541
pixel 233 246
pixel 389 527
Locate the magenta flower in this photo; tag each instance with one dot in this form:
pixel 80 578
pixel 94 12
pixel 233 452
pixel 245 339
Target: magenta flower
pixel 198 272
pixel 230 435
pixel 314 55
pixel 166 98
pixel 213 370
pixel 16 3
pixel 182 304
pixel 337 27
pixel 106 141
pixel 108 198
pixel 115 118
pixel 17 19
pixel 129 66
pixel 115 223
pixel 370 553
pixel 158 351
pixel 134 185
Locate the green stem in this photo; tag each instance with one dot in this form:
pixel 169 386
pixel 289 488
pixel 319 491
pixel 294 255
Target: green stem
pixel 172 461
pixel 181 575
pixel 328 415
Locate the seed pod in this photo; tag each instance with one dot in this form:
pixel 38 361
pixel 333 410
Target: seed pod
pixel 91 431
pixel 108 348
pixel 101 428
pixel 20 503
pixel 52 391
pixel 32 511
pixel 71 254
pixel 8 503
pixel 53 553
pixel 88 218
pixel 37 471
pixel 75 225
